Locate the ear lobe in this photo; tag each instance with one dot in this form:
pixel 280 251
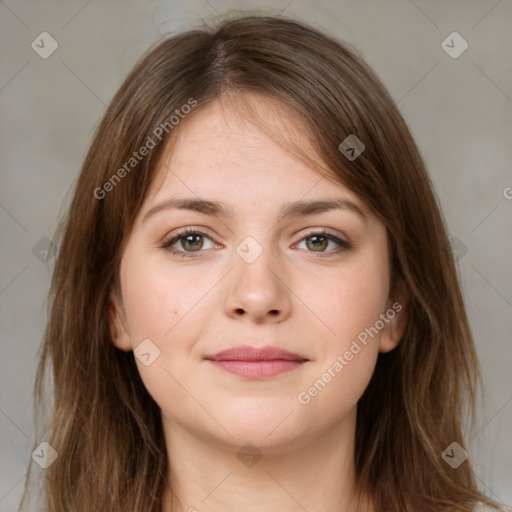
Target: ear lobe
pixel 397 317
pixel 118 332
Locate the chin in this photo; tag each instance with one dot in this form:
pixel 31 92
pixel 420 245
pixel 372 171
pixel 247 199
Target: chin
pixel 273 430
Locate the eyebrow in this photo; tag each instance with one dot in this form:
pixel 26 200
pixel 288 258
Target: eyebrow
pixel 295 209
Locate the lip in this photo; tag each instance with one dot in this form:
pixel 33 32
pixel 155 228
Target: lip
pixel 256 363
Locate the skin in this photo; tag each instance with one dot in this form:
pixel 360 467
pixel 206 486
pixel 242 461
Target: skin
pixel 288 297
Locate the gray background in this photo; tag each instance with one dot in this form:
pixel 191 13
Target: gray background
pixel 459 110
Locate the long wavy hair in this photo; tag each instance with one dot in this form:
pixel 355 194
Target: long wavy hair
pixel 99 417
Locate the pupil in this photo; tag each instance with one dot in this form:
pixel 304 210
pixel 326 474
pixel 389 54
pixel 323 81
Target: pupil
pixel 318 239
pixel 194 247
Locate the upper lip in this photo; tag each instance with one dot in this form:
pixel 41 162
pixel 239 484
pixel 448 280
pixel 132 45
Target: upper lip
pixel 247 353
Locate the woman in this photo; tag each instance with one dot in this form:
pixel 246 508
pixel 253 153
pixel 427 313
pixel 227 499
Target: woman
pixel 255 305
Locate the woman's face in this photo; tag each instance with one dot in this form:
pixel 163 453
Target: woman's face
pixel 258 275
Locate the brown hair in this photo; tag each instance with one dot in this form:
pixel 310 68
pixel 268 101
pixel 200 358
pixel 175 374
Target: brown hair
pixel 104 425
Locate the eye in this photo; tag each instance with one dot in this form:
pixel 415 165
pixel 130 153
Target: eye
pixel 318 241
pixel 191 240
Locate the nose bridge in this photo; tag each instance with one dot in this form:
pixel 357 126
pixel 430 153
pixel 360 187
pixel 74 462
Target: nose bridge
pixel 257 289
pixel 253 260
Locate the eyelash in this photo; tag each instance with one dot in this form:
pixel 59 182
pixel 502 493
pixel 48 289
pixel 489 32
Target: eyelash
pixel 167 244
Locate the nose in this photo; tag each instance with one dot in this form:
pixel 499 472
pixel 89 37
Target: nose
pixel 258 291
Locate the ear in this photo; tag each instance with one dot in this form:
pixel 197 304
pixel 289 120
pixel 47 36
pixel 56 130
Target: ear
pixel 395 317
pixel 117 324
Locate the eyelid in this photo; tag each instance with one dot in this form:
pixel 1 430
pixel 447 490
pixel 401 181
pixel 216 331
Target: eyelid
pixel 326 232
pixel 175 236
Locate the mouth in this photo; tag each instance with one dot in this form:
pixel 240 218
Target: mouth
pixel 256 363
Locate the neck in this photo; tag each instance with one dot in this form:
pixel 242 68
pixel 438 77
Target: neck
pixel 317 474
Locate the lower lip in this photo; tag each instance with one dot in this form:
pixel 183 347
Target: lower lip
pixel 257 369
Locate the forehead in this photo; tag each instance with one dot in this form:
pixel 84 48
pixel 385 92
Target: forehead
pixel 238 151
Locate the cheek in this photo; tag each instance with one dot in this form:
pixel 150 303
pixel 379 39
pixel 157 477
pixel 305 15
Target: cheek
pixel 157 305
pixel 349 305
pixel 331 395
pixel 347 362
pixel 156 300
pixel 359 304
pixel 350 302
